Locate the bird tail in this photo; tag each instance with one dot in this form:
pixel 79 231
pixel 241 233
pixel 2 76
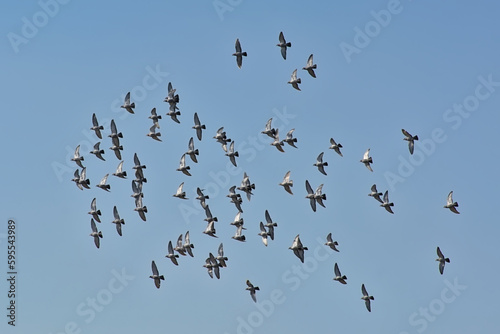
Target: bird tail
pixel 447 260
pixel 314 66
pixel 304 248
pixel 335 243
pixel 455 204
pixel 372 298
pixel 124 173
pixel 294 140
pixel 98 212
pixel 162 277
pixel 415 138
pixel 323 196
pixel 370 160
pixel 207 197
pixel 145 209
pixel 176 98
pixel 203 126
pixel 196 152
pixel 344 277
pixel 288 44
pixel 236 154
pixel 120 135
pixel 391 204
pixel 339 145
pixel 244 54
pixel 298 80
pixel 87 181
pixel 325 164
pixel 256 288
pixel 132 105
pixel 252 186
pixel 243 237
pixel 177 113
pixel 215 219
pixel 191 245
pixel 100 234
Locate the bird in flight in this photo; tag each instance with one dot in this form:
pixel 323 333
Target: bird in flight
pixel 239 54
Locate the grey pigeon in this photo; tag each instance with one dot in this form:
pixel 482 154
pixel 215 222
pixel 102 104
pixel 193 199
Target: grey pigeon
pixel 386 204
pixel 179 247
pixel 137 189
pixel 319 196
pixel 375 194
pixel 93 210
pixel 95 234
pixel 310 196
pixel 298 249
pixel 239 55
pixel 192 152
pixel 139 176
pixel 76 179
pixel 188 246
pixel 97 151
pixel 179 193
pixel 127 105
pixel 320 164
pixel 155 117
pixel 173 113
pixel 336 147
pixel 173 257
pixel 330 243
pixel 103 184
pixel 270 131
pixel 198 126
pixel 208 213
pixel 120 172
pixel 263 233
pixel 116 147
pixel 277 143
pixel 156 276
pixel 270 225
pixel 220 256
pixel 450 204
pixel 310 67
pixel 183 167
pixel 212 266
pixel 201 197
pixel 367 160
pixel 238 221
pixel 294 81
pixel 238 235
pixel 114 131
pixel 118 221
pixel 411 140
pixel 141 209
pixel 210 229
pixel 338 276
pixel 171 98
pixel 235 198
pixel 96 127
pixel 83 181
pixel 221 138
pixel 232 154
pixel 77 157
pixel 442 260
pixel 153 134
pixel 287 183
pixel 250 287
pixel 289 139
pixel 246 186
pixel 366 297
pixel 283 45
pixel 137 163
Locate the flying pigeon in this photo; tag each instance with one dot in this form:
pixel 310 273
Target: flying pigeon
pixel 183 167
pixel 179 246
pixel 246 186
pixel 270 225
pixel 83 181
pixel 141 210
pixel 320 164
pixel 201 197
pixel 173 113
pixel 375 194
pixel 287 183
pixel 238 236
pixel 221 138
pixel 310 66
pixel 210 229
pixel 77 157
pixel 294 81
pixel 138 163
pixel 366 297
pixel 171 254
pixel 179 193
pixel 103 184
pixel 250 287
pixel 96 127
pixel 336 147
pixel 93 210
pixel 298 249
pixel 198 126
pixel 442 260
pixel 411 140
pixel 338 275
pixel 120 172
pixel 238 221
pixel 76 179
pixel 98 152
pixel 367 160
pixel 212 266
pixel 283 45
pixel 330 243
pixel 127 105
pixel 235 198
pixel 114 131
pixel 277 143
pixel 139 176
pixel 232 154
pixel 271 132
pixel 220 256
pixel 192 152
pixel 310 195
pixel 96 234
pixel 239 55
pixel 171 98
pixel 137 189
pixel 188 246
pixel 263 233
pixel 319 196
pixel 386 204
pixel 116 147
pixel 155 117
pixel 153 134
pixel 289 139
pixel 118 221
pixel 450 204
pixel 156 276
pixel 208 213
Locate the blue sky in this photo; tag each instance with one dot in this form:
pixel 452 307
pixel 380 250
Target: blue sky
pixel 428 67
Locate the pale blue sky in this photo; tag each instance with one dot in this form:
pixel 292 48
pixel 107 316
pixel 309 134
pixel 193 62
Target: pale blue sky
pixel 415 72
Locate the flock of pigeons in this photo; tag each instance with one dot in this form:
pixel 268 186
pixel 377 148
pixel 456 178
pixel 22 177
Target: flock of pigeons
pixel 183 246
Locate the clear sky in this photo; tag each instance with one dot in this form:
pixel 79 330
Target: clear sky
pixel 428 67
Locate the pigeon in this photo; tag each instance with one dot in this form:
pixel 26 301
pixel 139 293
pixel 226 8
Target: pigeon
pixel 118 221
pixel 137 189
pixel 310 67
pixel 76 179
pixel 270 225
pixel 171 98
pixel 238 221
pixel 93 210
pixel 96 127
pixel 188 246
pixel 198 126
pixel 212 266
pixel 450 204
pixel 338 275
pixel 246 186
pixel 155 117
pixel 141 210
pixel 250 287
pixel 310 195
pixel 153 134
pixel 320 164
pixel 298 249
pixel 201 197
pixel 238 236
pixel 271 132
pixel 330 243
pixel 116 147
pixel 366 297
pixel 367 160
pixel 411 140
pixel 287 183
pixel 442 260
pixel 138 163
pixel 139 176
pixel 192 152
pixel 179 193
pixel 239 55
pixel 103 184
pixel 173 113
pixel 221 138
pixel 171 254
pixel 179 247
pixel 220 256
pixel 183 167
pixel 294 81
pixel 235 198
pixel 96 234
pixel 277 143
pixel 210 230
pixel 208 213
pixel 319 197
pixel 120 172
pixel 232 154
pixel 283 45
pixel 98 152
pixel 289 139
pixel 336 147
pixel 263 233
pixel 77 157
pixel 83 181
pixel 386 204
pixel 127 105
pixel 156 276
pixel 375 194
pixel 114 132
